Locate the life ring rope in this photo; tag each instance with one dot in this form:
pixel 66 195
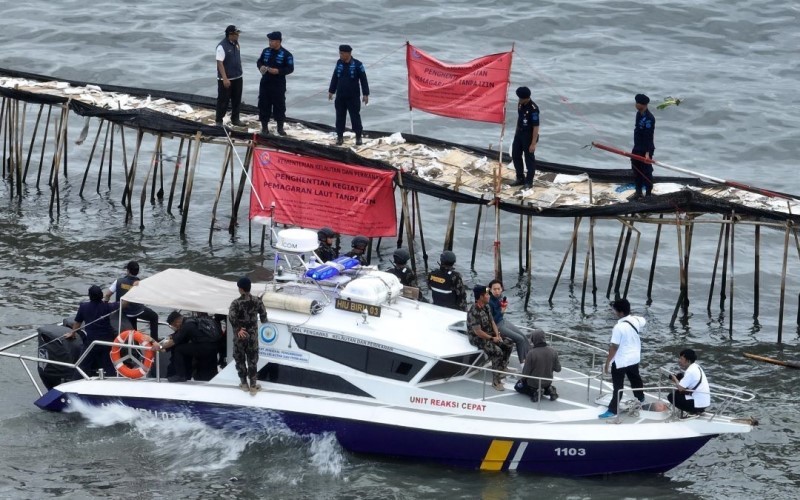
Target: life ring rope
pixel 142 362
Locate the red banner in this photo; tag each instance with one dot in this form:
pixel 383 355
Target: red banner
pixel 313 192
pixel 473 91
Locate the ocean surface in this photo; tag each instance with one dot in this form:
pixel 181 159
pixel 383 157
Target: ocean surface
pixel 735 67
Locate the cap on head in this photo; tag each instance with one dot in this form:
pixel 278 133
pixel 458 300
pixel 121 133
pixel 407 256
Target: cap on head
pixel 275 35
pixel 359 242
pixel 447 258
pixel 523 92
pixel 401 256
pixel 132 267
pixel 642 99
pixel 232 29
pixel 325 233
pixel 244 283
pixel 95 293
pixel 173 316
pixel 345 48
pixel 478 290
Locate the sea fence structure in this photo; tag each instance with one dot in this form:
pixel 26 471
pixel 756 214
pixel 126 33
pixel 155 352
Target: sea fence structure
pixel 37 133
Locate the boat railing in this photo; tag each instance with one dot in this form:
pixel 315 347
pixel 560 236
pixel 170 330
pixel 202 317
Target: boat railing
pixel 76 365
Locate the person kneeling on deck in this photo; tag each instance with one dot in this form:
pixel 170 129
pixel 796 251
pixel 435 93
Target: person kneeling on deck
pixel 540 362
pixel 693 393
pixel 484 335
pixel 194 343
pixel 243 316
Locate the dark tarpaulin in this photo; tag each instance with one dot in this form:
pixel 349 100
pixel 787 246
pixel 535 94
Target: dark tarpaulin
pixel 154 121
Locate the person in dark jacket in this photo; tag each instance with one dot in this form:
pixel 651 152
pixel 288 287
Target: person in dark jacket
pixel 358 249
pixel 446 285
pixel 644 129
pixel 133 311
pixel 326 251
pixel 93 316
pixel 274 64
pixel 194 347
pixel 541 361
pixel 347 76
pixel 229 76
pixel 508 330
pixel 401 269
pixel 526 137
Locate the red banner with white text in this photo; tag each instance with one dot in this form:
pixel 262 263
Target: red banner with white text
pixel 473 91
pixel 313 192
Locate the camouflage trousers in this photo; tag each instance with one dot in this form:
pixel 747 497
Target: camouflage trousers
pixel 245 354
pixel 498 353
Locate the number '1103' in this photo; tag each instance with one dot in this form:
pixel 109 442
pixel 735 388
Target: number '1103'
pixel 571 452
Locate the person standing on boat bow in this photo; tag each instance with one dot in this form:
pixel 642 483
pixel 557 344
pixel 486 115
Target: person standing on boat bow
pixel 446 285
pixel 644 129
pixel 347 76
pixel 274 64
pixel 229 76
pixel 484 335
pixel 243 315
pixel 692 393
pixel 624 354
pixel 525 138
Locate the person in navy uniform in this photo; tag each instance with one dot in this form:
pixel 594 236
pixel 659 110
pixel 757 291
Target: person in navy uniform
pixel 132 311
pixel 326 251
pixel 525 138
pixel 401 269
pixel 347 76
pixel 358 248
pixel 93 316
pixel 274 64
pixel 644 129
pixel 446 284
pixel 229 76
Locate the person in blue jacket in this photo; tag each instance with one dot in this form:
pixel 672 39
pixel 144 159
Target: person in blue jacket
pixel 644 129
pixel 274 63
pixel 347 76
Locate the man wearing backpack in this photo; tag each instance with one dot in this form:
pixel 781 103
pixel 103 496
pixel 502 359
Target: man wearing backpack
pixel 194 344
pixel 624 354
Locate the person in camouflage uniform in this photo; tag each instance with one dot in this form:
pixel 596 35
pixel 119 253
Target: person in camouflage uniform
pixel 243 315
pixel 484 335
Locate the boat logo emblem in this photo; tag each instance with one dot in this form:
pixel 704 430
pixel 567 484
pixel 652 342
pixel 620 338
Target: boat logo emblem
pixel 268 333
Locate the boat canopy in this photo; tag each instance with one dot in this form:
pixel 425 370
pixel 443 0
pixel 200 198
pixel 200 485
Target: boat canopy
pixel 185 290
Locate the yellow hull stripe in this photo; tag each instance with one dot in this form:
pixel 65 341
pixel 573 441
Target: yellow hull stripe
pixel 496 455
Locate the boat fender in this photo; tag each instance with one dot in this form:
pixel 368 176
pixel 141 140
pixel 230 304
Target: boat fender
pixel 147 356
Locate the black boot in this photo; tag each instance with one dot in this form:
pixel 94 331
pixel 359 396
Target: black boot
pixel 264 129
pixel 358 140
pixel 340 140
pixel 280 129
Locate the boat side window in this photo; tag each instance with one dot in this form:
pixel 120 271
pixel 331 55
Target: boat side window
pixel 444 370
pixel 366 359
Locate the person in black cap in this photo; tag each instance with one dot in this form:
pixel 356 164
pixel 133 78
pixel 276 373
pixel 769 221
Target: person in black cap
pixel 194 347
pixel 229 76
pixel 93 315
pixel 274 64
pixel 132 311
pixel 326 251
pixel 446 285
pixel 243 315
pixel 484 335
pixel 358 247
pixel 345 81
pixel 525 138
pixel 644 129
pixel 401 269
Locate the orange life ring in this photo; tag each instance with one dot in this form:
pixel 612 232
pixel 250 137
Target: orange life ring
pixel 142 363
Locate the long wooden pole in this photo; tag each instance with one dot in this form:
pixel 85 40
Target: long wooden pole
pixel 224 172
pixel 175 179
pixel 623 258
pixel 190 181
pixel 109 128
pixel 150 171
pixel 44 145
pixel 566 256
pixel 616 259
pixel 733 274
pixel 33 140
pixel 131 177
pixel 757 272
pixel 716 262
pixel 653 262
pixel 724 278
pixel 91 157
pixel 415 198
pixel 783 281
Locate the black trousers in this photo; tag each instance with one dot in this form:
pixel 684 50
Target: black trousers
pixel 519 151
pixel 684 404
pixel 150 316
pixel 98 357
pixel 196 360
pixel 642 173
pixel 618 380
pixel 344 105
pixel 271 101
pixel 232 95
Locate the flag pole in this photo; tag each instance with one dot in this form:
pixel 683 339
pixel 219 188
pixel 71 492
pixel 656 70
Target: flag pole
pixel 498 266
pixel 408 86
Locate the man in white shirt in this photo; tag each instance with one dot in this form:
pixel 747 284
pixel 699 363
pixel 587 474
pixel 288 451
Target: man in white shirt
pixel 624 354
pixel 692 393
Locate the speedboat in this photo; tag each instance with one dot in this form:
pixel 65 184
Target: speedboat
pixel 345 351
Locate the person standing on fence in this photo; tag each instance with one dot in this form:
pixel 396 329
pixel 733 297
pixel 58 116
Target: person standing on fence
pixel 644 129
pixel 526 138
pixel 229 76
pixel 274 64
pixel 347 75
pixel 624 354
